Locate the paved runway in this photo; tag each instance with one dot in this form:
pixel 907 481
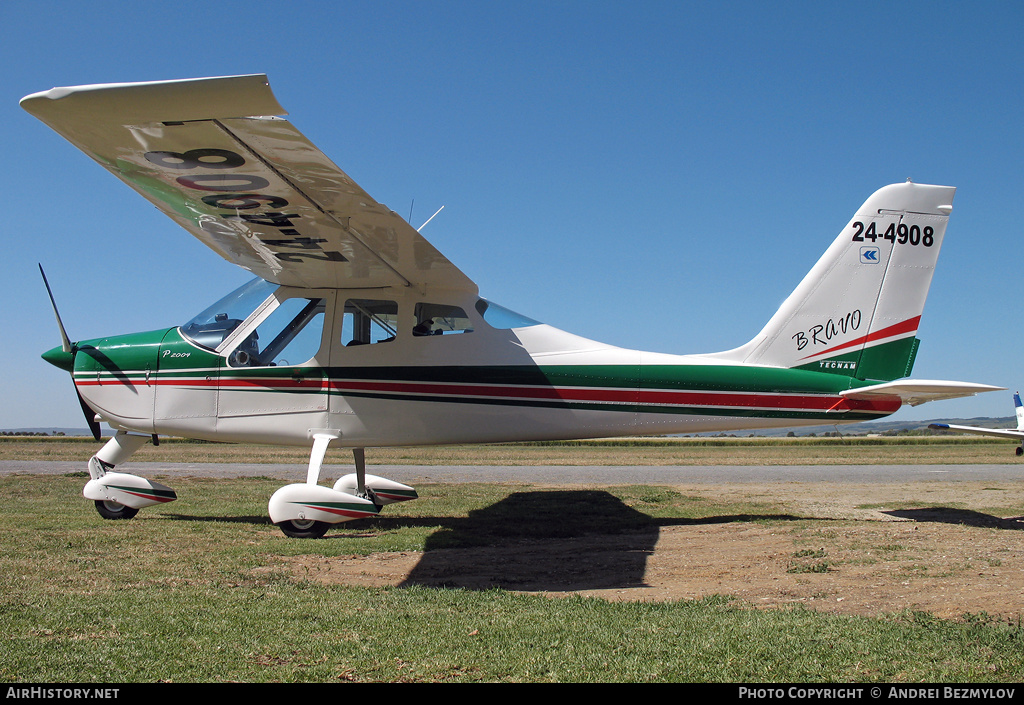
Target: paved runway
pixel 566 475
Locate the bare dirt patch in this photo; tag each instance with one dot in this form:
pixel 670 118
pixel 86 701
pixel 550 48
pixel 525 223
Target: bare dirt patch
pixel 852 549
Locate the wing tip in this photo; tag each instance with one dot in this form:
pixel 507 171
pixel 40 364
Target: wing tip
pixel 245 95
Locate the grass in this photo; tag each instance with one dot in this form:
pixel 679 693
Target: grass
pixel 822 567
pixel 804 566
pixel 195 593
pixel 645 451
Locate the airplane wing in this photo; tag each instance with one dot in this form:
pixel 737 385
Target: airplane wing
pixel 1002 433
pixel 211 154
pixel 919 391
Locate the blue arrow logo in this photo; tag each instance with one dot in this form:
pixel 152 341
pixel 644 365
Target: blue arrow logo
pixel 869 255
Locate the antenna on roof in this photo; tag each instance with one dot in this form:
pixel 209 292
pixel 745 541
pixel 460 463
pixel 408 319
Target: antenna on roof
pixel 428 219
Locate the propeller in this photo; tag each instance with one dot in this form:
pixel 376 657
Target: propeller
pixel 65 342
pixel 90 415
pixel 69 350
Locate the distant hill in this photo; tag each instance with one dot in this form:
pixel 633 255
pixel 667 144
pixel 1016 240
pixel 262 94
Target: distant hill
pixel 54 431
pixel 875 427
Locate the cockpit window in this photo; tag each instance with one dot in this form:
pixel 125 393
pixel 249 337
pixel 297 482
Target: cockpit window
pixel 501 317
pixel 440 319
pixel 212 326
pixel 289 336
pixel 368 321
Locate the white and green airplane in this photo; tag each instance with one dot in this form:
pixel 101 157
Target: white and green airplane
pixel 357 333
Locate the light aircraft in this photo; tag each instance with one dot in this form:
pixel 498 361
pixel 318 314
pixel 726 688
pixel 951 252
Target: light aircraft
pixel 1015 433
pixel 357 333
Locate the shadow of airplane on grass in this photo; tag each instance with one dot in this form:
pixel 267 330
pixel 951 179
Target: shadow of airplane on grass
pixel 556 540
pixel 550 541
pixel 967 517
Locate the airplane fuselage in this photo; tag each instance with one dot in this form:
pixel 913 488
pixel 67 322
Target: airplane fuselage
pixel 477 383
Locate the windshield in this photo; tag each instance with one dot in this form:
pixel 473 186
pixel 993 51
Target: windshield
pixel 501 317
pixel 210 327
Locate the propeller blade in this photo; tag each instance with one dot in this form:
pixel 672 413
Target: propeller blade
pixel 65 345
pixel 90 415
pixel 65 342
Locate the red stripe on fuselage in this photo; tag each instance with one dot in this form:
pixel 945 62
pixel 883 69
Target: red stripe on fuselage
pixel 625 396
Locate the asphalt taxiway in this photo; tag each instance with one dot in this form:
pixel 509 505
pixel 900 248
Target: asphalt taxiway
pixel 564 474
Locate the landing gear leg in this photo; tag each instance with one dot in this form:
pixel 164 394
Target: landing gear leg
pixel 117 450
pixel 378 490
pixel 359 456
pixel 310 528
pixel 307 510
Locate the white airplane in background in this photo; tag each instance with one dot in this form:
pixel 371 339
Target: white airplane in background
pixel 357 333
pixel 1015 433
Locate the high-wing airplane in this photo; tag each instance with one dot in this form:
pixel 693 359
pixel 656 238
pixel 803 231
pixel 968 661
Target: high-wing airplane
pixel 357 333
pixel 1015 433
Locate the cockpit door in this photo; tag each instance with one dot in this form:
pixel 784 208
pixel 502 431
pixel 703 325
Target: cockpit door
pixel 276 362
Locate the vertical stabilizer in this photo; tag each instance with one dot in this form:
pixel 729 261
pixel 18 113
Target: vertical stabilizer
pixel 857 311
pixel 1018 408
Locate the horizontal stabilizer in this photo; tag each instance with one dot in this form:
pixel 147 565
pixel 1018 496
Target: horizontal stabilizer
pixel 1001 433
pixel 919 391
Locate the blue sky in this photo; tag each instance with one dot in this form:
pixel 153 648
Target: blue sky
pixel 656 175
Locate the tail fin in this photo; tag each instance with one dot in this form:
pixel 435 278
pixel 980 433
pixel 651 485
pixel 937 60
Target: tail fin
pixel 856 313
pixel 1019 409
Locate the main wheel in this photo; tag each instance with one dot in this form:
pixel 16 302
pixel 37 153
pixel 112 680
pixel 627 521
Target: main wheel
pixel 299 529
pixel 114 510
pixel 1019 451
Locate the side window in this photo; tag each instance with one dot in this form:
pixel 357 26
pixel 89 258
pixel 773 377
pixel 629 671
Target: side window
pixel 440 319
pixel 369 321
pixel 289 336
